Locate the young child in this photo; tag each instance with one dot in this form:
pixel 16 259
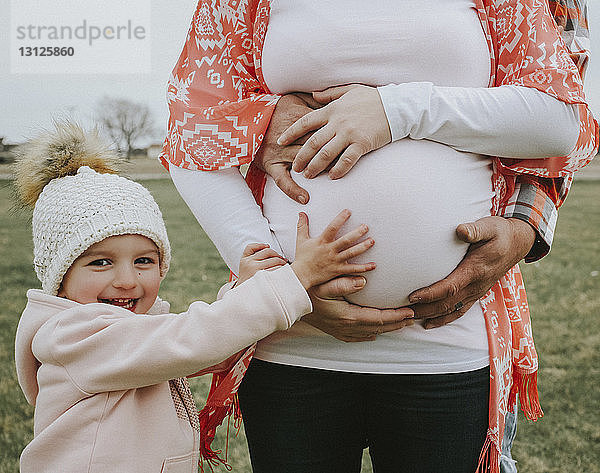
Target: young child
pixel 97 352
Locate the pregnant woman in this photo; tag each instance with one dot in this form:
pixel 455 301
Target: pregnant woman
pixel 445 86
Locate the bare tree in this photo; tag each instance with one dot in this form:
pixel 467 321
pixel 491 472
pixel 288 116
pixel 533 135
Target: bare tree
pixel 125 122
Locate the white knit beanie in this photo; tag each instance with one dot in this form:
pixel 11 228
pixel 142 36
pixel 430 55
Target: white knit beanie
pixel 83 207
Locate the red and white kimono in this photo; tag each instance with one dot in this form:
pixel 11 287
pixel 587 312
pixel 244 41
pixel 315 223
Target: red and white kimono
pixel 220 109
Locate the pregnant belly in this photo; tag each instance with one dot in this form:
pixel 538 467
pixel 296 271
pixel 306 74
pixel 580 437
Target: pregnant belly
pixel 412 195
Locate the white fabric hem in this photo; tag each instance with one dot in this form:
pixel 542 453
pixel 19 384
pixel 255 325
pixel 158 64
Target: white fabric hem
pixel 330 365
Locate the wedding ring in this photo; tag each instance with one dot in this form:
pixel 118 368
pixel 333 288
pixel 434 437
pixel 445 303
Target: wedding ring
pixel 458 306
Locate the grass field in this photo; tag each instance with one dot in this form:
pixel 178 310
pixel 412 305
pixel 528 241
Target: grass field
pixel 564 291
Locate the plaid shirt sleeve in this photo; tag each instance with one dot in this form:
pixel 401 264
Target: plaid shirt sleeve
pixel 536 200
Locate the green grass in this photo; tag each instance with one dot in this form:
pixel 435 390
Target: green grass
pixel 564 291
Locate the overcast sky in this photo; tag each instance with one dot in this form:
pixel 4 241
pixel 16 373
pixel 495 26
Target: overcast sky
pixel 29 101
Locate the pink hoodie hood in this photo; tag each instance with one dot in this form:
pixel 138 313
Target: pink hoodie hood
pixel 40 308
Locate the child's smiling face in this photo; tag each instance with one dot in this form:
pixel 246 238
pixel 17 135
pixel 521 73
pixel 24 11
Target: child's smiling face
pixel 121 270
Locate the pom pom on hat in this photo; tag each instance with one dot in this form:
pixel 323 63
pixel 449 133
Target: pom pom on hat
pixel 60 153
pixel 68 176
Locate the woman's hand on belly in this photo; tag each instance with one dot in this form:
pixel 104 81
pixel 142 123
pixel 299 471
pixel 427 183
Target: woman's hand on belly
pixel 352 124
pixel 349 322
pixel 496 245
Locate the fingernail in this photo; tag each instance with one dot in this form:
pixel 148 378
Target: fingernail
pixel 412 314
pixel 359 282
pixel 302 199
pixel 413 299
pixel 279 141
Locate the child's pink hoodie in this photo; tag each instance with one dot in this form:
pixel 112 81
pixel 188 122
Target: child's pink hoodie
pixel 98 375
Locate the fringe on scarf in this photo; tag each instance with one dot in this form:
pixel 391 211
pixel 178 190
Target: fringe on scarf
pixel 210 418
pixel 525 385
pixel 489 459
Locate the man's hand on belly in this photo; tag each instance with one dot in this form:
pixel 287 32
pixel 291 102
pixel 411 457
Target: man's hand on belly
pixel 349 322
pixel 276 160
pixel 496 245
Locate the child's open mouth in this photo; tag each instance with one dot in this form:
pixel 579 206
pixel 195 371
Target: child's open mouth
pixel 128 304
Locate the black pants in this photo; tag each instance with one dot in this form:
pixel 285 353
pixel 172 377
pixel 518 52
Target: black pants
pixel 303 420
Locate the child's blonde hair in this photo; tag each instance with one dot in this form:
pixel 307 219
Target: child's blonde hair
pixel 69 178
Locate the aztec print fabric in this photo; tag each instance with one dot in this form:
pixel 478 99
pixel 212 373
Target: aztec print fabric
pixel 523 37
pixel 220 109
pixel 535 199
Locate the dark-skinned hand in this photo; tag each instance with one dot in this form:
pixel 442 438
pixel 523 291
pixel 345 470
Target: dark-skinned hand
pixel 496 245
pixel 276 160
pixel 349 322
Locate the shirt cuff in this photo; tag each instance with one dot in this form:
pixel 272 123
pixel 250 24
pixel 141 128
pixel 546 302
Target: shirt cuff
pixel 403 114
pixel 289 290
pixel 532 205
pixel 226 287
